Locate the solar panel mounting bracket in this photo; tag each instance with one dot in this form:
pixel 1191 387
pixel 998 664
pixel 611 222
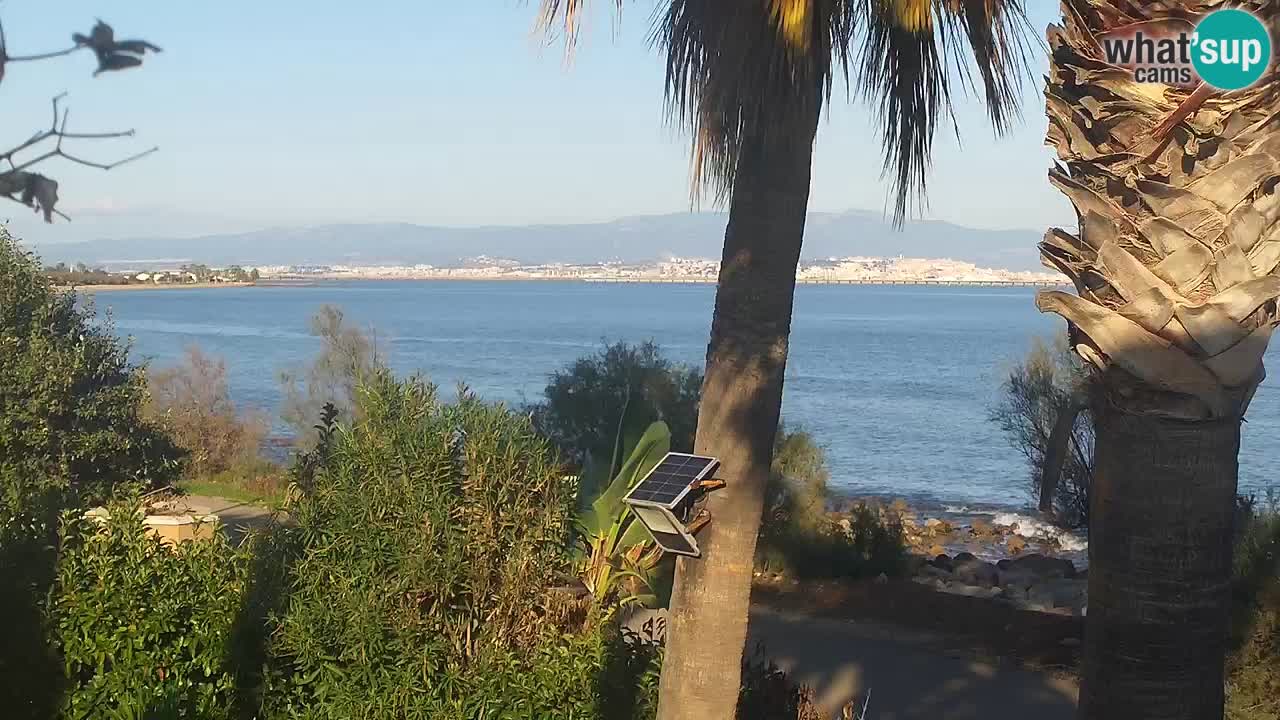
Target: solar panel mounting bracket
pixel 667 499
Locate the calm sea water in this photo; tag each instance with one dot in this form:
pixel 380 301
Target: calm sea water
pixel 895 382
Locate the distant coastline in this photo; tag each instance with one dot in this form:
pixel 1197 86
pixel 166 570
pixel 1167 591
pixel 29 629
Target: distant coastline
pixel 160 286
pixel 303 281
pixel 286 282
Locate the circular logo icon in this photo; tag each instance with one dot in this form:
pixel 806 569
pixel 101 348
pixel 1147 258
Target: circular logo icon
pixel 1232 49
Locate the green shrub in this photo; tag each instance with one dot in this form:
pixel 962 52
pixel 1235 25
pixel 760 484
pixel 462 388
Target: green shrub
pixel 1038 390
pixel 1253 682
pixel 864 544
pixel 606 400
pixel 428 537
pixel 142 626
pixel 769 694
pixel 585 401
pixel 347 355
pixel 797 492
pixel 801 538
pixel 192 403
pixel 71 431
pixel 618 561
pixel 71 403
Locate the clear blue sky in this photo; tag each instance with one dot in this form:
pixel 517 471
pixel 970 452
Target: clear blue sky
pixel 284 112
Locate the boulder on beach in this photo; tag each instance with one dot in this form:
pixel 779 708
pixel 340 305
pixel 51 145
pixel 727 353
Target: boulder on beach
pixel 976 572
pixel 1016 544
pixel 942 561
pixel 1042 566
pixel 938 527
pixel 1059 593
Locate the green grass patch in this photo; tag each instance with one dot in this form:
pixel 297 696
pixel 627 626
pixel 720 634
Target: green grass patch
pixel 259 483
pixel 230 491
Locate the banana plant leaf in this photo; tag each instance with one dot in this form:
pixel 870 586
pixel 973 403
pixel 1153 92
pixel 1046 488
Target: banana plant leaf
pixel 614 547
pixel 599 513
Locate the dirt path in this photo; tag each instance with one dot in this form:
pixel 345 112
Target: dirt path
pixel 234 515
pixel 909 675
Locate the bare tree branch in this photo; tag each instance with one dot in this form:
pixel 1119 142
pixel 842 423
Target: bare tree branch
pixel 42 56
pixel 37 191
pixel 111 165
pixel 6 57
pixel 58 130
pixel 55 211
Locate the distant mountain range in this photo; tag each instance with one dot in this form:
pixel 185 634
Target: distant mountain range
pixel 634 239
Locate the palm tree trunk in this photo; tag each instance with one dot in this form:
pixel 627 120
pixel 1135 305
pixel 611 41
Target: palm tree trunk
pixel 1159 567
pixel 1176 263
pixel 737 420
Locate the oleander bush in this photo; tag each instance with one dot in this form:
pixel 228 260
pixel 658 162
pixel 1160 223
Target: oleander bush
pixel 429 538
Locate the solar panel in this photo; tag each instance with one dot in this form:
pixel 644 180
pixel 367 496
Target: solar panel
pixel 672 479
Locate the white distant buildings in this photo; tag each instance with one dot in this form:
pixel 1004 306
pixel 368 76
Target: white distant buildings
pixel 835 270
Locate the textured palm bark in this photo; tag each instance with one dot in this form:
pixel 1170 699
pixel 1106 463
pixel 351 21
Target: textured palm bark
pixel 737 420
pixel 1159 567
pixel 1175 267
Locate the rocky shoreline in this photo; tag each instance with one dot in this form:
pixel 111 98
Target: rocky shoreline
pixel 1001 556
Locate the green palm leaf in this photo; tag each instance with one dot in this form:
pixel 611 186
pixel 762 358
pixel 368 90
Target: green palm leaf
pixel 739 68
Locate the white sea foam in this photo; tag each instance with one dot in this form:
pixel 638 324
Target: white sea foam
pixel 1034 527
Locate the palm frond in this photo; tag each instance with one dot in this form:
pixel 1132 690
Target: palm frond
pixel 913 51
pixel 747 68
pixel 757 71
pixel 567 15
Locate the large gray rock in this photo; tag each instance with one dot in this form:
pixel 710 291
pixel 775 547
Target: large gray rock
pixel 1061 593
pixel 977 591
pixel 933 571
pixel 977 572
pixel 1040 566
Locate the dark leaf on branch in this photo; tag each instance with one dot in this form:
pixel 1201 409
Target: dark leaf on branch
pixel 12 183
pixel 31 189
pixel 41 193
pixel 102 35
pixel 117 62
pixel 113 54
pixel 138 47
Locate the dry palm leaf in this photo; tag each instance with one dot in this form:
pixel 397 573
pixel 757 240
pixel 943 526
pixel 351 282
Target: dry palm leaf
pixel 1176 255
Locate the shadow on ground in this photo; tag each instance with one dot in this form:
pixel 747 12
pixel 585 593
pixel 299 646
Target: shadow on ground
pixel 908 675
